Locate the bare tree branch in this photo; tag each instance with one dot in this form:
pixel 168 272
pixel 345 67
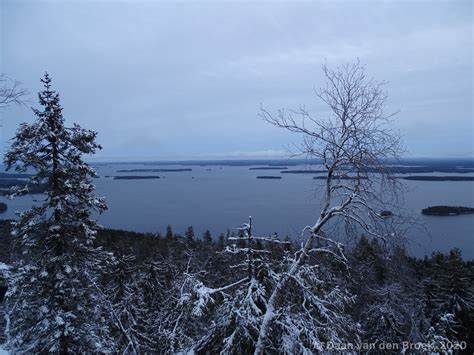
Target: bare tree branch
pixel 11 92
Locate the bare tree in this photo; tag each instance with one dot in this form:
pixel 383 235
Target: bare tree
pixel 11 92
pixel 303 306
pixel 354 145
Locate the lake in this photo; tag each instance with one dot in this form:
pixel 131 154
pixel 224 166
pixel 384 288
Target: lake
pixel 222 197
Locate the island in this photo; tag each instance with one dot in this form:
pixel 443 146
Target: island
pixel 269 177
pixel 446 210
pixel 136 177
pixel 154 170
pixel 439 178
pixel 269 168
pixel 3 207
pixel 304 172
pixel 342 177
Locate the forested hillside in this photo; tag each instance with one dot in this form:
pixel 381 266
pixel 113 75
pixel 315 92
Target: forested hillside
pixel 170 293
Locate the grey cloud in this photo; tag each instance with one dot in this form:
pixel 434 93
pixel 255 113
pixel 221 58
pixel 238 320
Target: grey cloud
pixel 187 78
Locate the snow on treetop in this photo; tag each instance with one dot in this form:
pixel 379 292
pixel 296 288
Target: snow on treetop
pixel 4 266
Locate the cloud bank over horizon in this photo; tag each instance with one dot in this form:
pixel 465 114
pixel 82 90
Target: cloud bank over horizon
pixel 185 80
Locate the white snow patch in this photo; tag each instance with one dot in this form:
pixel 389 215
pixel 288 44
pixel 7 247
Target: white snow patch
pixel 2 351
pixel 4 266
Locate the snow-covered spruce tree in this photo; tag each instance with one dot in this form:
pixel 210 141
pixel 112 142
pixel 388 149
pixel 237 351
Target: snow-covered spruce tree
pixel 449 296
pixel 387 305
pixel 353 145
pixel 313 307
pixel 242 305
pixel 128 310
pixel 383 320
pixel 51 303
pixel 179 318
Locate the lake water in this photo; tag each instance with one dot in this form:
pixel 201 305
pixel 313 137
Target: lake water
pixel 222 197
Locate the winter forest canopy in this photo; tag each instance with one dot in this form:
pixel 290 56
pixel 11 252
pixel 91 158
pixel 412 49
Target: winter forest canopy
pixel 74 287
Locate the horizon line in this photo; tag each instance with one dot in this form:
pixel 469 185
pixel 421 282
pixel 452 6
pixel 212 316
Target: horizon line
pixel 187 160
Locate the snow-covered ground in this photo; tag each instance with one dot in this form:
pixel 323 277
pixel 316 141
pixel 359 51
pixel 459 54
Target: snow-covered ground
pixel 2 351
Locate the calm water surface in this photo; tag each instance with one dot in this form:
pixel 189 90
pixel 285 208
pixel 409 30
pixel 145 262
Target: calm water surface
pixel 222 197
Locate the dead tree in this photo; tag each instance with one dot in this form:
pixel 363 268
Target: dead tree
pixel 355 146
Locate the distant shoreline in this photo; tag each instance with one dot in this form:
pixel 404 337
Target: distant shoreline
pixel 438 178
pixel 438 163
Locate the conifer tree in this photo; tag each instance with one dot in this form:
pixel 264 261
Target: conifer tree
pixel 449 294
pixel 189 235
pixel 169 233
pixel 128 311
pixel 206 237
pixel 52 305
pixel 314 315
pixel 221 241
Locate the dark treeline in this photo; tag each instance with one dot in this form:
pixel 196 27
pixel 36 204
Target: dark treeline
pixel 154 283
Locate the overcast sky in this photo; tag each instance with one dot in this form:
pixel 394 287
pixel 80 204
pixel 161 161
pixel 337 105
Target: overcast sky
pixel 179 80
